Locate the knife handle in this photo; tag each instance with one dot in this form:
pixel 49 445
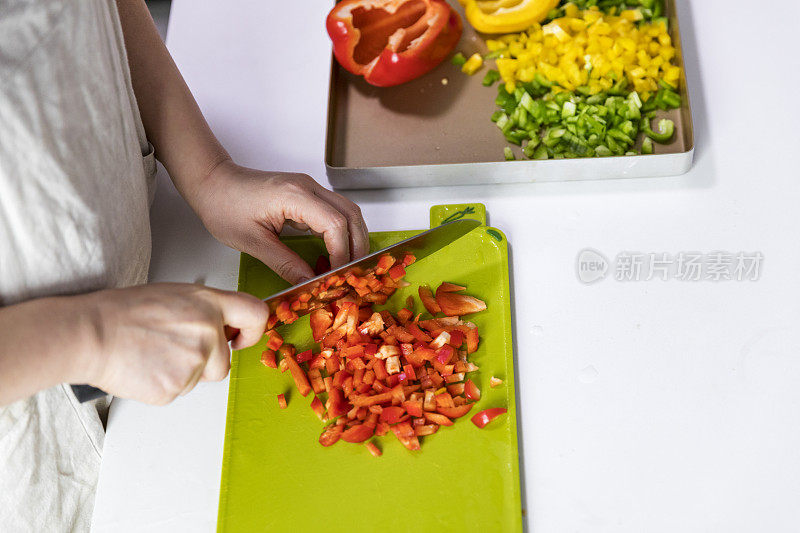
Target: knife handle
pixel 87 393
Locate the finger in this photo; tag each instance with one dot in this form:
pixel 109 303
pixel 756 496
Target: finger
pixel 244 312
pixel 357 227
pixel 323 218
pixel 219 360
pixel 277 256
pixel 304 228
pixel 297 225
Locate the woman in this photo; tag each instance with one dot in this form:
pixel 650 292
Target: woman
pixel 76 179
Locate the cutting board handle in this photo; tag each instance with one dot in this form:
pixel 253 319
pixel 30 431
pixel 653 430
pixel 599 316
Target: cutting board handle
pixel 441 214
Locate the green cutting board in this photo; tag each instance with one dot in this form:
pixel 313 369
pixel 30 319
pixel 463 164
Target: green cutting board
pixel 277 477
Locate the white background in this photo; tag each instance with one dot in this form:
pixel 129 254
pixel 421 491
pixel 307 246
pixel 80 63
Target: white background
pixel 644 406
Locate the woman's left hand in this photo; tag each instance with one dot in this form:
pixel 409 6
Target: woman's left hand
pixel 246 210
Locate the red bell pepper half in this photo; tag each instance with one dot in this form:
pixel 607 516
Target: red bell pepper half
pixel 390 42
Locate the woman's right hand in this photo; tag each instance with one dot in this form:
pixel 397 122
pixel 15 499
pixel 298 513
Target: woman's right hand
pixel 153 343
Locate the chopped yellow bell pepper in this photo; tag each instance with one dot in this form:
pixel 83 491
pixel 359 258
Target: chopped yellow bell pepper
pixel 587 48
pixel 632 15
pixel 473 64
pixel 505 16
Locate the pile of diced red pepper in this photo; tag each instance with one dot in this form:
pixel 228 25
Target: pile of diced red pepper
pixel 380 372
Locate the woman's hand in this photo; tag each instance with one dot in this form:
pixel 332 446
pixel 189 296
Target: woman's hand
pixel 155 342
pixel 150 343
pixel 246 209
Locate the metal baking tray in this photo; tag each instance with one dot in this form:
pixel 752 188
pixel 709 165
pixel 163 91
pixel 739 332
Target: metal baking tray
pixel 436 131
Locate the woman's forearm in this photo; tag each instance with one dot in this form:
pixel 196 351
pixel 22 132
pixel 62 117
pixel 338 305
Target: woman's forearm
pixel 172 119
pixel 43 343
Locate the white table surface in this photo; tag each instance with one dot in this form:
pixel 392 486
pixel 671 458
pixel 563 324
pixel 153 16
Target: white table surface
pixel 644 406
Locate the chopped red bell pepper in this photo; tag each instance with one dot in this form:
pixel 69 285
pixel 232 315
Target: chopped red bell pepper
pixel 444 354
pixel 336 405
pixel 381 370
pixel 318 362
pixel 455 412
pixel 357 433
pixel 299 375
pixel 285 313
pixel 456 390
pixel 444 400
pixel 268 358
pixel 456 338
pixel 317 383
pixel 404 315
pixel 390 42
pixel 450 287
pixel 428 429
pixel 397 272
pixel 323 265
pixel 409 259
pixel 318 408
pixel 373 449
pixel 391 415
pixel 418 334
pixel 487 415
pixel 406 435
pixel 413 407
pixel 426 296
pixel 437 418
pixel 331 434
pixel 321 320
pixel 472 340
pixel 454 304
pixel 472 391
pixel 274 340
pixel 454 378
pixel 385 262
pixel 281 401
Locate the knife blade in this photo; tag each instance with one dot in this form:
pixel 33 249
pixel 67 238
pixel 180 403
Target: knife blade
pixel 421 246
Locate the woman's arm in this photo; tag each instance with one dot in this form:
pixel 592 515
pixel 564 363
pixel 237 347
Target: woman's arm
pixel 243 208
pixel 175 126
pixel 43 343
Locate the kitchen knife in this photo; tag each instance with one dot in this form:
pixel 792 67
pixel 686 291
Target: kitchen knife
pixel 420 246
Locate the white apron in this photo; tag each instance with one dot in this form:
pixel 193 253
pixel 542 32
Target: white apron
pixel 76 179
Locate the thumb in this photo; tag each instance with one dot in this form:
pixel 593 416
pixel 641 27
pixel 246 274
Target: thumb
pixel 286 263
pixel 243 312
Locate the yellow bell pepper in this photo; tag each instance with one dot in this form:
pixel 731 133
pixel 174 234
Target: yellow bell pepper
pixel 473 64
pixel 588 48
pixel 506 16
